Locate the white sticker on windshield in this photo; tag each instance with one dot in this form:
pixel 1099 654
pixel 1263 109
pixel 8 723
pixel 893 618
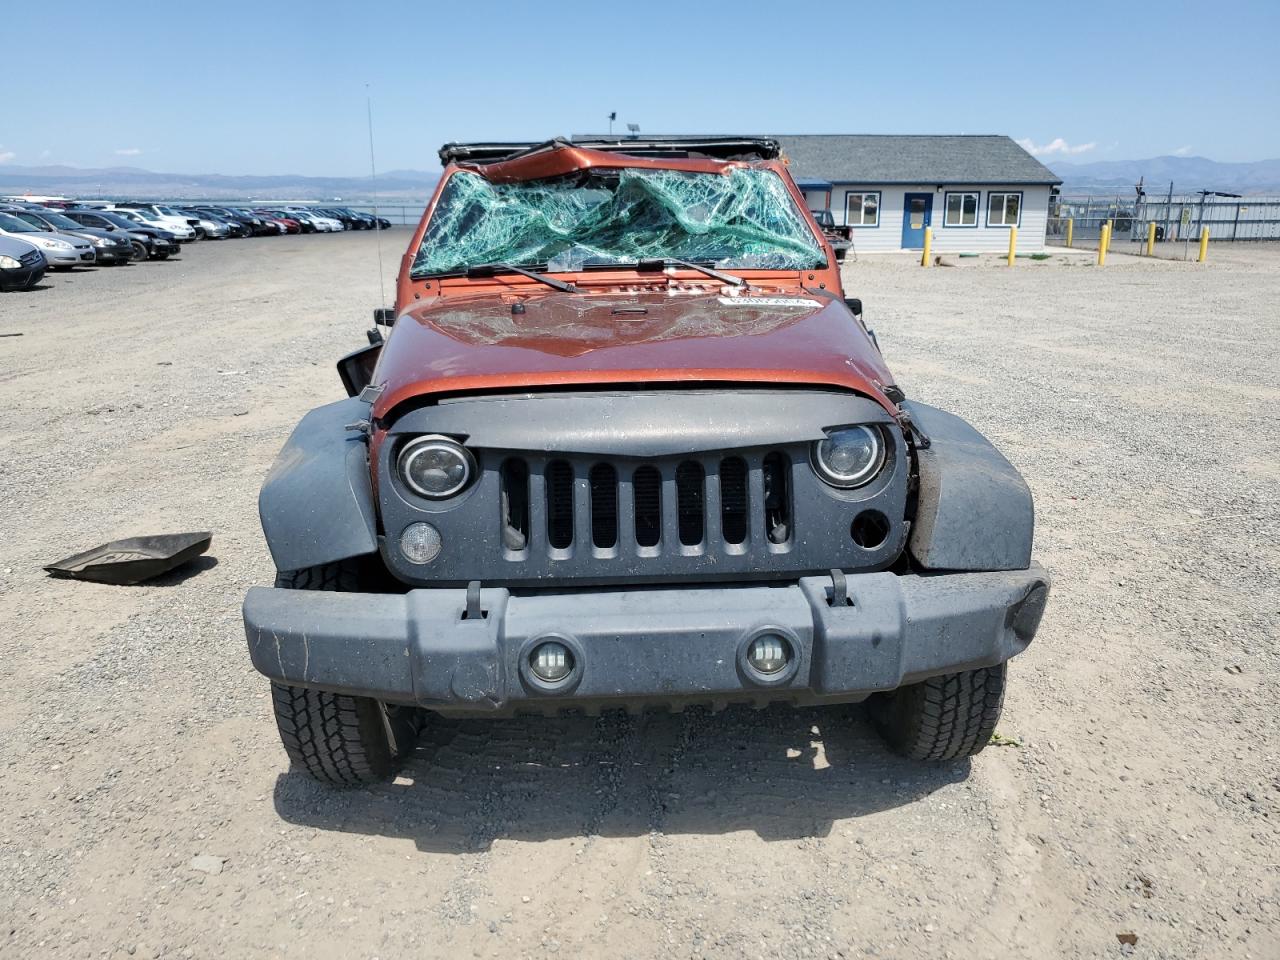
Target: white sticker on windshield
pixel 768 302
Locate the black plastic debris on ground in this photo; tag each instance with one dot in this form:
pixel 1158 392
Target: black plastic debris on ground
pixel 133 560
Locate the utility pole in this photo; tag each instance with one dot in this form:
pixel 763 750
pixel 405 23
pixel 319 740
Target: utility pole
pixel 612 117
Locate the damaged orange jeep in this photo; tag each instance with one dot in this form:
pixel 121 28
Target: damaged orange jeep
pixel 628 445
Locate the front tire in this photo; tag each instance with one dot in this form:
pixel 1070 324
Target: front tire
pixel 340 739
pixel 943 718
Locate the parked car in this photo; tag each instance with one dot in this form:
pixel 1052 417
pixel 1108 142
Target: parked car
pixel 62 251
pixel 305 224
pixel 321 223
pixel 108 247
pixel 22 265
pixel 207 227
pixel 251 224
pixel 840 238
pixel 149 243
pixel 609 461
pixel 235 226
pixel 181 230
pixel 348 219
pixel 285 224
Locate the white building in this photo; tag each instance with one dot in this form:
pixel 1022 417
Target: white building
pixel 968 189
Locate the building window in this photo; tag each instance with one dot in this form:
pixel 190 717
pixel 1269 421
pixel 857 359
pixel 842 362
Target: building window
pixel 862 209
pixel 1004 209
pixel 962 210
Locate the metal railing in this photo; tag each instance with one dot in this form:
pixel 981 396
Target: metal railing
pixel 1176 217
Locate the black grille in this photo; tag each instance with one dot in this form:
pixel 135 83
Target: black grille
pixel 733 500
pixel 690 483
pixel 560 504
pixel 604 506
pixel 689 506
pixel 647 486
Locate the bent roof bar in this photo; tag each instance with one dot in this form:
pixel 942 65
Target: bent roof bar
pixel 714 148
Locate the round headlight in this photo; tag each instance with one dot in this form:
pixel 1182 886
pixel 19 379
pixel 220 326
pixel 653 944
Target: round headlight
pixel 849 457
pixel 436 467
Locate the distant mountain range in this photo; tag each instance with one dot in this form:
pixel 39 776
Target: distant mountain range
pixel 1188 174
pixel 122 182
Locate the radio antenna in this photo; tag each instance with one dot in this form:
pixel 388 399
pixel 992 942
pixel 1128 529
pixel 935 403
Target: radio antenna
pixel 373 182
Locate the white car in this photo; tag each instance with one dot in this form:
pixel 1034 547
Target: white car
pixel 322 223
pixel 160 217
pixel 62 250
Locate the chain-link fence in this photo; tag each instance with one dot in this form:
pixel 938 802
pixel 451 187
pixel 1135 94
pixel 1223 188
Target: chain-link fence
pixel 1176 217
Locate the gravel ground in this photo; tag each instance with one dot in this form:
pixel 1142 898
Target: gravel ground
pixel 146 808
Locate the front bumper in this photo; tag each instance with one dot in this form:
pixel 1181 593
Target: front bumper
pixel 640 647
pixel 70 258
pixel 22 278
pixel 121 254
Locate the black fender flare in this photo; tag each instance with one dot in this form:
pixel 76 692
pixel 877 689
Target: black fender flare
pixel 316 504
pixel 973 509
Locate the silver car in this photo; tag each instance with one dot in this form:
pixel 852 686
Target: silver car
pixel 60 249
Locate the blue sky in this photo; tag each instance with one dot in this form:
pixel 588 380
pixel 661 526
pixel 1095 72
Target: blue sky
pixel 267 87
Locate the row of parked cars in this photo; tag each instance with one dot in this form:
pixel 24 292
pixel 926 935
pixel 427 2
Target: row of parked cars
pixel 64 234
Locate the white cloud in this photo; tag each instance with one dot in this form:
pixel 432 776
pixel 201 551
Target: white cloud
pixel 128 152
pixel 1056 145
pixel 6 156
pixel 1182 152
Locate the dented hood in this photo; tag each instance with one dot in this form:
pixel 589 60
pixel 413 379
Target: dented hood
pixel 513 342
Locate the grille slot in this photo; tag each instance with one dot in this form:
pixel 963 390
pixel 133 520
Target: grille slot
pixel 647 487
pixel 515 504
pixel 690 496
pixel 604 506
pixel 733 500
pixel 560 504
pixel 777 497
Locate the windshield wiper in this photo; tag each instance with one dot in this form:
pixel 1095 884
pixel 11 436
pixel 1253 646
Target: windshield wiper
pixel 493 269
pixel 662 262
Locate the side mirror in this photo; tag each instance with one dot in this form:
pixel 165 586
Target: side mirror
pixel 384 315
pixel 854 304
pixel 356 368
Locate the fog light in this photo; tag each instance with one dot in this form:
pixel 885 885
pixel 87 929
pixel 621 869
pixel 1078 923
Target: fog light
pixel 420 543
pixel 551 661
pixel 768 653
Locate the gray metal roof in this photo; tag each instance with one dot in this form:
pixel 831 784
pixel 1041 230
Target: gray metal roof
pixel 892 158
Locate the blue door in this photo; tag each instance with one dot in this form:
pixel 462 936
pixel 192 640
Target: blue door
pixel 917 213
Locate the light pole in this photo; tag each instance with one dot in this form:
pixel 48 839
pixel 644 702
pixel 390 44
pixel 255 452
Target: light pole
pixel 612 117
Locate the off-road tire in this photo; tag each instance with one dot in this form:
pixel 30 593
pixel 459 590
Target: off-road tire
pixel 339 739
pixel 942 718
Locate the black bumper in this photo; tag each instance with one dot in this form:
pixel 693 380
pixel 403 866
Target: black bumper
pixel 641 647
pixel 22 278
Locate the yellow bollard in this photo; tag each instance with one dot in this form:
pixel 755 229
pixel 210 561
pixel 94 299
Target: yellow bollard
pixel 928 242
pixel 1204 244
pixel 1108 235
pixel 1151 239
pixel 1102 244
pixel 1013 243
pixel 1070 224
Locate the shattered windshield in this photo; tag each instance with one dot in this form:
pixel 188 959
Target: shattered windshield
pixel 744 218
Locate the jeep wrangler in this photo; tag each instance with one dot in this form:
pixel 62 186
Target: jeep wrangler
pixel 626 446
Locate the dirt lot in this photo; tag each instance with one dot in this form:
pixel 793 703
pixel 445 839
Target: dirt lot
pixel 1140 400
